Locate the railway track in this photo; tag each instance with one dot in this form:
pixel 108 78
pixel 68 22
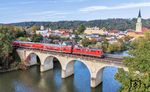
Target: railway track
pixel 114 59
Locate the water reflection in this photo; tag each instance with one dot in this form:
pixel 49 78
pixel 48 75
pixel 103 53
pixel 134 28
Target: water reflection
pixel 109 83
pixel 34 81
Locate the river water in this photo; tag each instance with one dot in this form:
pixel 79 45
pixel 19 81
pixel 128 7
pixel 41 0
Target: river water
pixel 33 81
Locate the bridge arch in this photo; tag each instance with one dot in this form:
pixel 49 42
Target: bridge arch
pixel 48 63
pixel 32 59
pixel 69 68
pixel 70 64
pixel 97 77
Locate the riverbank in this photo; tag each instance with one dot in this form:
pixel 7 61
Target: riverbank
pixel 15 66
pixel 8 70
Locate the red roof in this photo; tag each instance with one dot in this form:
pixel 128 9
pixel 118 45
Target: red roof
pixel 144 29
pixel 113 31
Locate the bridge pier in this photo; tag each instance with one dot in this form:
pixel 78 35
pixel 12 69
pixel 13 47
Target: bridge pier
pixel 44 68
pixel 97 78
pixel 47 64
pixel 66 73
pixel 94 82
pixel 68 70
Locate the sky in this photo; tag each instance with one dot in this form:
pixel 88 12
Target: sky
pixel 12 11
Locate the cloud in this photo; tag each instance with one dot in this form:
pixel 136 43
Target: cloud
pixel 47 13
pixel 27 2
pixel 74 0
pixel 17 3
pixel 37 16
pixel 68 1
pixel 122 6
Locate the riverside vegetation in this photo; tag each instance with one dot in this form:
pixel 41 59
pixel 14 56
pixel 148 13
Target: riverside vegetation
pixel 137 79
pixel 9 59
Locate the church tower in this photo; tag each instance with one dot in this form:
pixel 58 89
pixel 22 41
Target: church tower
pixel 139 23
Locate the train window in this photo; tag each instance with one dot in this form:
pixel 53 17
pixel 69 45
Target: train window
pixel 92 50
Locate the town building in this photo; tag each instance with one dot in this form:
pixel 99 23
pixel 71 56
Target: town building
pixel 94 30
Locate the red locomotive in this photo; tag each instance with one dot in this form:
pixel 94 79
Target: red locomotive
pixel 65 47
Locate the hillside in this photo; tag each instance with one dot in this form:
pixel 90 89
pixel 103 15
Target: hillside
pixel 120 24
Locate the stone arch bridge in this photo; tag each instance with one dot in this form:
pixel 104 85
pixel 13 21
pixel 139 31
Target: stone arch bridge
pixel 94 65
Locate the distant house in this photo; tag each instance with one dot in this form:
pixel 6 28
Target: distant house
pixel 134 34
pixel 63 31
pixel 95 37
pixel 121 35
pixel 113 32
pixel 73 36
pixel 112 41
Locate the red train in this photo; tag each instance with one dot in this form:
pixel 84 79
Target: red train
pixel 65 47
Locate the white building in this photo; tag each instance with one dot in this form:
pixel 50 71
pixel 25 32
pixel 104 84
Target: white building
pixel 43 32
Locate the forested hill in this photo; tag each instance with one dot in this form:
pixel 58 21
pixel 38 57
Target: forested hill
pixel 120 24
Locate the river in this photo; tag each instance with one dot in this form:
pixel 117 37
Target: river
pixel 33 81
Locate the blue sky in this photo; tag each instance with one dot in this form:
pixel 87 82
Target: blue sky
pixel 57 10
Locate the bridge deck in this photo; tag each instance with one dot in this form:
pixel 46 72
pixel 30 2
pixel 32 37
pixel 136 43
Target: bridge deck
pixel 117 61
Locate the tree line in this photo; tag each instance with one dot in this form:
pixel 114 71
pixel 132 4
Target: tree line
pixel 109 24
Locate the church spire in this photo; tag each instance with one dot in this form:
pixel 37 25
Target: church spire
pixel 139 14
pixel 139 23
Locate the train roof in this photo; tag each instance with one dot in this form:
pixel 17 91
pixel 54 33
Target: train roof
pixel 91 48
pixel 23 42
pixel 52 44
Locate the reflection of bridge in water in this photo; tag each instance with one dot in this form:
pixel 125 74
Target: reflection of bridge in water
pixel 94 65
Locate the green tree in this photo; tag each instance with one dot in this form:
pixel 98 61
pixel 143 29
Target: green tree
pixel 22 39
pixel 36 38
pixel 105 45
pixel 80 29
pixel 54 37
pixel 137 79
pixel 21 34
pixel 86 42
pixel 35 28
pixel 6 48
pixel 110 48
pixel 127 38
pixel 98 45
pixel 147 35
